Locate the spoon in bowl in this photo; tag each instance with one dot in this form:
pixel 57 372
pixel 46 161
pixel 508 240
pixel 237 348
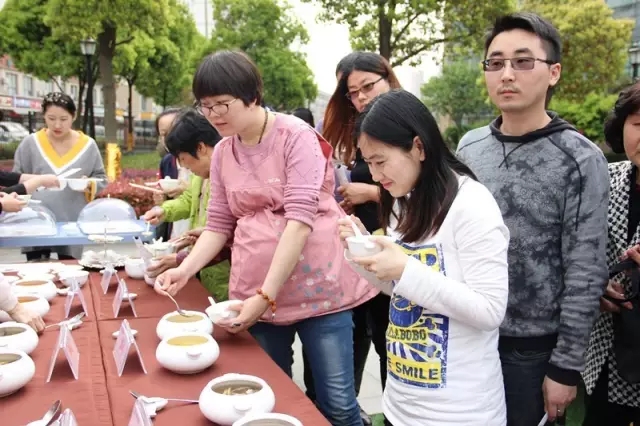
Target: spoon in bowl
pixel 180 311
pixel 359 235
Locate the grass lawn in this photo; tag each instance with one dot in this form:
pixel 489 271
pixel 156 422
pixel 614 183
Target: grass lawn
pixel 575 413
pixel 141 161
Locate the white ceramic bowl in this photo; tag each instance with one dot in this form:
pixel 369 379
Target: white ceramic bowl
pixel 81 277
pixel 362 246
pixel 77 184
pixel 16 369
pixel 173 323
pixel 168 184
pixel 225 409
pixel 33 302
pixel 159 249
pixel 149 281
pixel 18 336
pixel 268 419
pixel 134 267
pixel 187 353
pixel 44 288
pixel 221 310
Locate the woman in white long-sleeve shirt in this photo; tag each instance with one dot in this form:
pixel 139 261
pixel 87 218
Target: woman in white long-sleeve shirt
pixel 9 303
pixel 444 261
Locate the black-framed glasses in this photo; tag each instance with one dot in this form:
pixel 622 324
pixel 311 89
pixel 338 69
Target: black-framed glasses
pixel 365 88
pixel 218 109
pixel 518 64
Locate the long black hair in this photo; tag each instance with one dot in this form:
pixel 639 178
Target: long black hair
pixel 395 118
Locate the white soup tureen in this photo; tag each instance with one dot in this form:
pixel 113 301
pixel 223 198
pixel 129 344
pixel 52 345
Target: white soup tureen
pixel 44 288
pixel 16 369
pixel 174 323
pixel 187 353
pixel 18 336
pixel 228 398
pixel 33 302
pixel 268 419
pixel 221 310
pixel 134 267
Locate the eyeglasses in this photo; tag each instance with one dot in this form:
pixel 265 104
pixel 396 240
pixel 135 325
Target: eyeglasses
pixel 218 109
pixel 365 88
pixel 518 64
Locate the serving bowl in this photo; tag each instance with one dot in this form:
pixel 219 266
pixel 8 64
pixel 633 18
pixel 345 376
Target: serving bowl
pixel 40 287
pixel 187 353
pixel 228 398
pixel 14 335
pixel 33 302
pixel 268 419
pixel 168 184
pixel 173 323
pixel 16 370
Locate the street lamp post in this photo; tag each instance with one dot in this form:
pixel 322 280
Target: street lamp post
pixel 634 59
pixel 88 48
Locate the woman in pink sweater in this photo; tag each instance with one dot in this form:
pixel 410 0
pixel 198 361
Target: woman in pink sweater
pixel 272 185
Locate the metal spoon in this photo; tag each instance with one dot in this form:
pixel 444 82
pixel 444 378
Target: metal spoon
pixel 49 415
pixel 71 320
pixel 158 399
pixel 180 311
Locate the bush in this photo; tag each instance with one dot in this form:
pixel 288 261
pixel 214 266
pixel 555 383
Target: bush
pixel 140 200
pixel 587 116
pixel 453 134
pixel 8 150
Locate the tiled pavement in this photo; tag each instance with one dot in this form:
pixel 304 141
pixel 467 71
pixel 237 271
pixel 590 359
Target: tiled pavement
pixel 370 391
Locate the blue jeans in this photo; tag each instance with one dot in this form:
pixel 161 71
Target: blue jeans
pixel 330 358
pixel 523 373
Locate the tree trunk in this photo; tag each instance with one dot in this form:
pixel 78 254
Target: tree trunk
pixel 107 46
pixel 130 138
pixel 385 26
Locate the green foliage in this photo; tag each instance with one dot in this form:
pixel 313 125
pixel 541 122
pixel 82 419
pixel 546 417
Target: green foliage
pixel 453 134
pixel 587 115
pixel 32 46
pixel 266 31
pixel 170 66
pixel 402 30
pixel 594 44
pixel 455 93
pixel 8 150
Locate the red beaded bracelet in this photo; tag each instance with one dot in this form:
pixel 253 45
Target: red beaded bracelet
pixel 270 301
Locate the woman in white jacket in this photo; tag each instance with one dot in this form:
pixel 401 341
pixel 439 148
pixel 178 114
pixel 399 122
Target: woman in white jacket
pixel 9 303
pixel 443 261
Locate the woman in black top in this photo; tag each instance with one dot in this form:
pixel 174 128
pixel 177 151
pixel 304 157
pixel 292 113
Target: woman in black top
pixel 363 76
pixel 21 184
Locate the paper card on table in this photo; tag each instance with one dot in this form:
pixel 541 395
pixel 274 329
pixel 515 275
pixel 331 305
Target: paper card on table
pixel 74 290
pixel 107 274
pixel 67 418
pixel 139 416
pixel 124 342
pixel 122 294
pixel 70 350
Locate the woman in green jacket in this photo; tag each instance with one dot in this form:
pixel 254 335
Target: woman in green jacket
pixel 192 140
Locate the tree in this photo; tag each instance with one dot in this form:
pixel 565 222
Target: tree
pixel 172 64
pixel 594 44
pixel 132 63
pixel 266 31
pixel 403 30
pixel 33 48
pixel 113 23
pixel 456 93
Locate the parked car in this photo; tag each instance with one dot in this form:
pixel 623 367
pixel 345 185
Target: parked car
pixel 16 131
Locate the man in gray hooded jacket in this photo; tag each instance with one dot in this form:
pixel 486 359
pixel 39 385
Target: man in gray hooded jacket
pixel 552 186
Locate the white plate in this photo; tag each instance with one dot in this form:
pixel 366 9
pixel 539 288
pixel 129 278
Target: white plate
pixel 97 238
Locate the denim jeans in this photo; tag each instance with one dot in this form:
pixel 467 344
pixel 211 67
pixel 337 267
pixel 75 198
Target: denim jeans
pixel 524 373
pixel 330 359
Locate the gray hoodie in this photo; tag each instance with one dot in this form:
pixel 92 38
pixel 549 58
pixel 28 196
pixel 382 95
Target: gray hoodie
pixel 552 186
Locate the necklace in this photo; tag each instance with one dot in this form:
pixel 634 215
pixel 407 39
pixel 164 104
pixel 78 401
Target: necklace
pixel 264 126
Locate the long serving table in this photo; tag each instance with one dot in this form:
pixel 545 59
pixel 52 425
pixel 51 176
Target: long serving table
pixel 100 397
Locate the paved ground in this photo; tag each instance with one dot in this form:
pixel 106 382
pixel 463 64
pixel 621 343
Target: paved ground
pixel 370 391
